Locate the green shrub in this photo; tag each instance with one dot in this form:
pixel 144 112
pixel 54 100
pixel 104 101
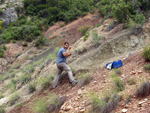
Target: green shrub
pixel 96 38
pixel 40 106
pixel 84 29
pixel 119 85
pixel 139 18
pixel 42 41
pixel 121 11
pixel 147 67
pixel 23 32
pixel 86 35
pixel 146 53
pixel 29 68
pixel 12 85
pixel 2 50
pixel 25 78
pixel 13 99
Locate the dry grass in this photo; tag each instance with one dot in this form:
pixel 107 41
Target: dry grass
pixel 143 89
pixel 49 104
pixel 105 105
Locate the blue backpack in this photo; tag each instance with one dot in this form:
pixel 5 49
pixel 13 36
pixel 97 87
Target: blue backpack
pixel 114 64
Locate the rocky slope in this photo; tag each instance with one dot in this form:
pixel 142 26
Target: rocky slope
pixel 103 44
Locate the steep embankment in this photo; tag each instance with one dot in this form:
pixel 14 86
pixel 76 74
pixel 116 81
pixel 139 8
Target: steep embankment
pixel 94 58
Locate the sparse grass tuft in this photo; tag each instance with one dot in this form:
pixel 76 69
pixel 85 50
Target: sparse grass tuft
pixel 84 79
pixel 12 85
pixel 119 85
pixel 147 67
pixel 48 104
pixel 53 55
pixel 131 81
pixel 31 87
pixel 1 96
pixel 13 99
pixel 2 109
pixel 40 106
pixel 105 105
pixel 46 82
pixel 118 72
pixel 25 78
pixel 143 89
pixel 86 35
pixel 96 38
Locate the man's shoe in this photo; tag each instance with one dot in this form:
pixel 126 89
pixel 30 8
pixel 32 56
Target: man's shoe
pixel 75 82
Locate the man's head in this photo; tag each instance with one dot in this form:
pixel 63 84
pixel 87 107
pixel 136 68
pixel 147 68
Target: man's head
pixel 66 45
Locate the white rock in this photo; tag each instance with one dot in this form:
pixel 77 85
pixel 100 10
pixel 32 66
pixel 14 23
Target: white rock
pixel 68 108
pixel 124 110
pixel 79 92
pixel 4 101
pixel 82 110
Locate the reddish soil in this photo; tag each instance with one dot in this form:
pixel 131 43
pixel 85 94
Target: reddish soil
pixel 70 31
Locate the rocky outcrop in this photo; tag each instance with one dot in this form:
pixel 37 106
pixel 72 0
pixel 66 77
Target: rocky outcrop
pixel 10 15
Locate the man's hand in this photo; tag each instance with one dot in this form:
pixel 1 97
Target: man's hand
pixel 69 47
pixel 69 54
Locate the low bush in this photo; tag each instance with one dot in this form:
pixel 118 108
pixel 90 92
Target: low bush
pixel 23 32
pixel 86 35
pixel 139 18
pixel 49 104
pixel 25 78
pixel 2 50
pixel 143 89
pixel 146 53
pixel 84 29
pixel 96 38
pixel 131 81
pixel 84 79
pixel 105 105
pixel 13 99
pixel 42 41
pixel 32 87
pixel 46 82
pixel 147 67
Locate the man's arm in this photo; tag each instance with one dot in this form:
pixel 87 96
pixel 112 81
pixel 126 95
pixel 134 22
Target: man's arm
pixel 66 54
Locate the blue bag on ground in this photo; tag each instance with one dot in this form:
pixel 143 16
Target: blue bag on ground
pixel 117 64
pixel 114 64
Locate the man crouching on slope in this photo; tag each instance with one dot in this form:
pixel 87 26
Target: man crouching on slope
pixel 62 65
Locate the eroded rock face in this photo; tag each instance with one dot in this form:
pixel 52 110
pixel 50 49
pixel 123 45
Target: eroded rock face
pixel 10 15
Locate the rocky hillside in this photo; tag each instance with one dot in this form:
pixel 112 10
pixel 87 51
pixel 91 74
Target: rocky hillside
pixel 27 71
pixel 31 75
